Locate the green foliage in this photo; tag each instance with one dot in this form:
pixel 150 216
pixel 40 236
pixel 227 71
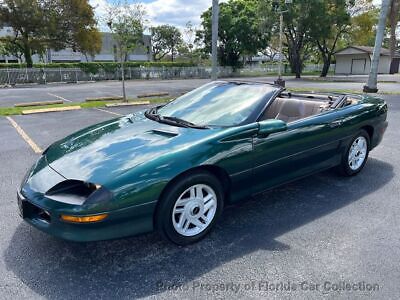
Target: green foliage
pixel 240 31
pixel 362 31
pixel 299 21
pixel 75 26
pixel 126 23
pixel 42 24
pixel 307 24
pixel 165 39
pixel 333 22
pixel 96 67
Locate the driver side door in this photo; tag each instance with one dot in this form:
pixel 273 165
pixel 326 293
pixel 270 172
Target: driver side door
pixel 307 146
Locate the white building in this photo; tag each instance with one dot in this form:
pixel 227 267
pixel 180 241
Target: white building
pixel 356 60
pixel 107 53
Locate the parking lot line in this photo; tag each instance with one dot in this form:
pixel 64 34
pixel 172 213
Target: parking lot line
pixel 110 112
pixel 59 97
pixel 26 137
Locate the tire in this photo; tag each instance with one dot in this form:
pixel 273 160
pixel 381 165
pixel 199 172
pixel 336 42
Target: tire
pixel 353 162
pixel 198 197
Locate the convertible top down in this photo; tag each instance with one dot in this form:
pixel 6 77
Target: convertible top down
pixel 174 167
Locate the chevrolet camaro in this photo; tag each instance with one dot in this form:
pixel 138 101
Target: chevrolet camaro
pixel 173 168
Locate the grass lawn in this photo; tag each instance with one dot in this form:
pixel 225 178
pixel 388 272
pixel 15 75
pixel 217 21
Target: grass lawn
pixel 8 111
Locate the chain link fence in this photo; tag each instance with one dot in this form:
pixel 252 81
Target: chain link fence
pixel 274 68
pixel 71 75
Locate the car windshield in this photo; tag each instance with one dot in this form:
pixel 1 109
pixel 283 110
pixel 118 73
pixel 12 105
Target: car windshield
pixel 219 103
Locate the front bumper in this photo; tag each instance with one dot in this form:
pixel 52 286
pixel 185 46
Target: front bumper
pixel 120 223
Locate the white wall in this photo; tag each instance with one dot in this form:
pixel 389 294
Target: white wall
pixel 347 64
pixel 384 65
pixel 344 63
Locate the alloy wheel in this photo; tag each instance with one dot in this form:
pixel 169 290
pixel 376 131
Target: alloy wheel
pixel 194 210
pixel 358 152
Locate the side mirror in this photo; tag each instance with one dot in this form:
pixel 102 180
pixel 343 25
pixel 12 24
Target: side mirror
pixel 268 127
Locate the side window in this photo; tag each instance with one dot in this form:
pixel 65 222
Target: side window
pixel 291 109
pixel 351 100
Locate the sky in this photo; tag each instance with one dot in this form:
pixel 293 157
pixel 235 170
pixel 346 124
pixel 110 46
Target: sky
pixel 173 12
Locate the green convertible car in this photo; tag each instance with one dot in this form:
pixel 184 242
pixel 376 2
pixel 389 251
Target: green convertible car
pixel 173 168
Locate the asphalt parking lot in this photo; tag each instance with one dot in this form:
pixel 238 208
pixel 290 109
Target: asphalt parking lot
pixel 301 240
pixel 79 92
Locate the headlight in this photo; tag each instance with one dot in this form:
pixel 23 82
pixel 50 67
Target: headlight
pixel 76 192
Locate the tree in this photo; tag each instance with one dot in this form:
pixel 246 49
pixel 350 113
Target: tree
pixel 189 39
pixel 272 50
pixel 77 28
pixel 165 39
pixel 89 44
pixel 240 32
pixel 333 22
pixel 357 7
pixel 310 24
pixel 299 19
pixel 28 20
pixel 362 30
pixel 42 24
pixel 126 23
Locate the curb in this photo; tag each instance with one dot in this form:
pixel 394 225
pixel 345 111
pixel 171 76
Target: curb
pixel 111 98
pixel 46 110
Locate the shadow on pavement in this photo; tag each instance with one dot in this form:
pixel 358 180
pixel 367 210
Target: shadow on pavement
pixel 134 267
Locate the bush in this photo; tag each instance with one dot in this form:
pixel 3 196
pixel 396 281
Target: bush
pixel 95 67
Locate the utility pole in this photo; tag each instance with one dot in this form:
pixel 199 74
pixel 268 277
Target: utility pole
pixel 372 83
pixel 280 81
pixel 276 6
pixel 215 14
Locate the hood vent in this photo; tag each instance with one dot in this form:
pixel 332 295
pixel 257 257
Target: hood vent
pixel 167 134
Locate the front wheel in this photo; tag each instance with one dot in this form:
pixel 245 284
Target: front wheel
pixel 356 155
pixel 190 208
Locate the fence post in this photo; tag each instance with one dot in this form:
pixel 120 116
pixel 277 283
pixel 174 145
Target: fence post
pixel 76 75
pixel 26 75
pixel 61 79
pixel 8 77
pixel 43 76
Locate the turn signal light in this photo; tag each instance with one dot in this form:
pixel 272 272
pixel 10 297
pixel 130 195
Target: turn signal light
pixel 83 219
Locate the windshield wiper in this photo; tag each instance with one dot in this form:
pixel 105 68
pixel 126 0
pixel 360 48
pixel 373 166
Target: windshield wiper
pixel 152 114
pixel 182 122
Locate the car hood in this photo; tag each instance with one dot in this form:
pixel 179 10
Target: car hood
pixel 106 150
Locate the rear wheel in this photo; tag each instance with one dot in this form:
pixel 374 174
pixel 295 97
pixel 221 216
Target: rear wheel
pixel 356 156
pixel 190 208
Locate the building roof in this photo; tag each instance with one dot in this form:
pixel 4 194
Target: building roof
pixel 362 49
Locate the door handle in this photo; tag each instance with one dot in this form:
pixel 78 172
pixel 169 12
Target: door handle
pixel 335 124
